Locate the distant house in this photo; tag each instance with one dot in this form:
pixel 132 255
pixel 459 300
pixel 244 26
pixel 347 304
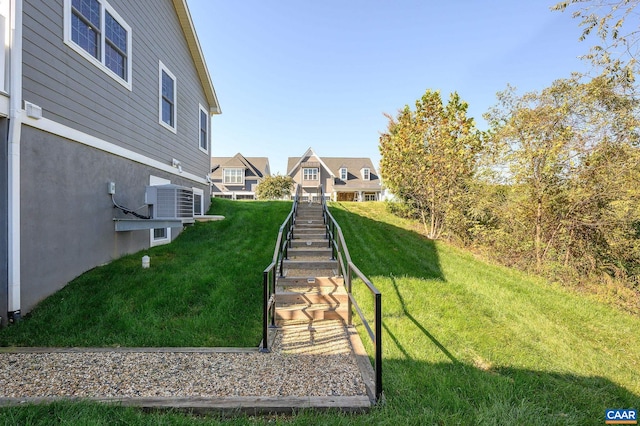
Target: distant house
pixel 98 100
pixel 236 177
pixel 341 178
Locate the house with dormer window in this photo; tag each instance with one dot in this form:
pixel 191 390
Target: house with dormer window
pixel 335 178
pixel 237 177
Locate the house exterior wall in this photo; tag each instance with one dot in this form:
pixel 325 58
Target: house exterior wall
pixel 95 130
pixel 76 93
pixel 310 187
pixel 67 226
pixel 255 169
pixel 353 188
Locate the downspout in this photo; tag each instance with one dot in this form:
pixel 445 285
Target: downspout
pixel 15 125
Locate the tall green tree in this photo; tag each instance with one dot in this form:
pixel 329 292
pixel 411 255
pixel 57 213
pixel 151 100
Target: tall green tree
pixel 570 156
pixel 428 157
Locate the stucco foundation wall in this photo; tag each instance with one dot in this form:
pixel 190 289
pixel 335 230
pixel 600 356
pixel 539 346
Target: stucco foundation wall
pixel 67 223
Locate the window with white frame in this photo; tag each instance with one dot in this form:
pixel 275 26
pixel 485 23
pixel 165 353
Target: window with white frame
pixel 198 205
pixel 96 31
pixel 204 129
pixel 167 98
pixel 343 173
pixel 310 173
pixel 366 174
pixel 159 234
pixel 233 176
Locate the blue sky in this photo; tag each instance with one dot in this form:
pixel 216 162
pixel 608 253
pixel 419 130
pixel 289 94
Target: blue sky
pixel 294 74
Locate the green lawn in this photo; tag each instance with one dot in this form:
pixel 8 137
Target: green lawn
pixel 204 289
pixel 464 342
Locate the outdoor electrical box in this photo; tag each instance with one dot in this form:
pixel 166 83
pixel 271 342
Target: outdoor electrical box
pixel 169 201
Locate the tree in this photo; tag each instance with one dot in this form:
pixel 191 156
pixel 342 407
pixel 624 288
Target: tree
pixel 274 187
pixel 615 23
pixel 571 156
pixel 428 157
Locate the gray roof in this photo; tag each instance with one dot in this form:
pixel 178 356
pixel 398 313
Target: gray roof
pixel 354 166
pixel 258 165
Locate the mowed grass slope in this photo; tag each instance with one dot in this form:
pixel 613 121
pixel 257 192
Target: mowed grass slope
pixel 204 289
pixel 474 343
pixel 464 342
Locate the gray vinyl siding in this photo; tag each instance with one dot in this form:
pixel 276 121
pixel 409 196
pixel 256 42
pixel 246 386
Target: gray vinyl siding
pixel 72 91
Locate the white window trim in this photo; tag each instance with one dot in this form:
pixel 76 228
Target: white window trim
pixel 161 68
pixel 155 180
pixel 201 110
pixel 366 173
pixel 100 63
pixel 242 173
pixel 345 172
pixel 317 173
pixel 200 192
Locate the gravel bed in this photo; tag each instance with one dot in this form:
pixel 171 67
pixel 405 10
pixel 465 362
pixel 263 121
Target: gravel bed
pixel 306 360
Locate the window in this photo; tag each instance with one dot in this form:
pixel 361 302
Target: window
pixel 204 130
pixel 370 197
pixel 310 174
pixel 198 205
pixel 343 173
pixel 366 174
pixel 94 29
pixel 167 97
pixel 233 176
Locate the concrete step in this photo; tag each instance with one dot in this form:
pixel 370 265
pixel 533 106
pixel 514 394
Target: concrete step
pixel 311 313
pixel 309 221
pixel 317 297
pixel 318 242
pixel 310 264
pixel 309 243
pixel 309 251
pixel 310 273
pixel 297 230
pixel 310 281
pixel 310 237
pixel 309 216
pixel 318 224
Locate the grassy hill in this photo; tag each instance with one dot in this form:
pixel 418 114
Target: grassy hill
pixel 481 344
pixel 464 342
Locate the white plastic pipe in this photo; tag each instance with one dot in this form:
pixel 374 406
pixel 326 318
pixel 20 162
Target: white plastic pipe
pixel 15 125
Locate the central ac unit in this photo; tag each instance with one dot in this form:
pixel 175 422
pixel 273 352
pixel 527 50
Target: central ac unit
pixel 169 201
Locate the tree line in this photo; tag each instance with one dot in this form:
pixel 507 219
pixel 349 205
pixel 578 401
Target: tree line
pixel 553 185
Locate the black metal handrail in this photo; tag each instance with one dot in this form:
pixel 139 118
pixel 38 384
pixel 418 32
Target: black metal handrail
pixel 280 254
pixel 347 268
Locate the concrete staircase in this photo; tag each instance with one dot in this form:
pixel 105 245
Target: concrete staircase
pixel 310 289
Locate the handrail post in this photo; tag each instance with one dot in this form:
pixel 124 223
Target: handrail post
pixel 273 308
pixel 378 326
pixel 349 290
pixel 265 314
